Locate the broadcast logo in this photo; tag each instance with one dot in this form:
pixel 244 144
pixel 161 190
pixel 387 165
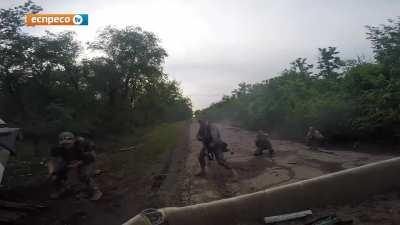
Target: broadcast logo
pixel 57 19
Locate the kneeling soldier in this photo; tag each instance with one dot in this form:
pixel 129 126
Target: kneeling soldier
pixel 314 138
pixel 73 153
pixel 263 143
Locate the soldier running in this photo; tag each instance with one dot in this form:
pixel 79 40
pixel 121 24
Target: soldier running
pixel 263 143
pixel 73 152
pixel 314 138
pixel 209 135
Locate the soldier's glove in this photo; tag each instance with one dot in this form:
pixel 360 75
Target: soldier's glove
pixel 210 156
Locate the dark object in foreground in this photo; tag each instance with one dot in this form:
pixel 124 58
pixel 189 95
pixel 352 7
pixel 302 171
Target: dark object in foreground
pixel 330 220
pixel 13 211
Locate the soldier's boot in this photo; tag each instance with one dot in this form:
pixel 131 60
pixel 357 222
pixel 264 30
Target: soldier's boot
pixel 61 187
pixel 314 146
pixel 225 166
pixel 202 162
pixel 223 163
pixel 202 173
pixel 258 152
pixel 96 195
pixel 59 192
pixel 271 153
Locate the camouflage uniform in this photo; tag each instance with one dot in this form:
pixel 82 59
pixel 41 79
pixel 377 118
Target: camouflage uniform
pixel 209 135
pixel 314 138
pixel 262 142
pixel 8 137
pixel 62 160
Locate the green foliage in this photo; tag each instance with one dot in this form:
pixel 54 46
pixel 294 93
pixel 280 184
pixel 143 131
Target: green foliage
pixel 386 44
pixel 352 99
pixel 328 63
pixel 13 19
pixel 44 88
pixel 150 150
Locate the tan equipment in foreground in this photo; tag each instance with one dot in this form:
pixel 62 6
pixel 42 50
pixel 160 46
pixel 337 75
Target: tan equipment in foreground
pixel 337 188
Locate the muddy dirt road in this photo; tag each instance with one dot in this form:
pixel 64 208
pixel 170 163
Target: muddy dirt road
pixel 170 180
pixel 292 162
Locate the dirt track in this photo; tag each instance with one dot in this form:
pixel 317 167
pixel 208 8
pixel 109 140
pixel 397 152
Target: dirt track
pixel 292 162
pixel 125 196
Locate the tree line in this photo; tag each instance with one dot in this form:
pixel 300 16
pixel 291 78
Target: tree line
pixel 48 84
pixel 346 99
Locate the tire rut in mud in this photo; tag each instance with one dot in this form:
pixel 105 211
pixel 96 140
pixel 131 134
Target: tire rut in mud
pixel 169 186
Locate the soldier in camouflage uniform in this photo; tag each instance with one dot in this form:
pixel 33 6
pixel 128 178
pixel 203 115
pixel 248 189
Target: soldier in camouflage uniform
pixel 209 135
pixel 73 153
pixel 8 138
pixel 263 143
pixel 314 138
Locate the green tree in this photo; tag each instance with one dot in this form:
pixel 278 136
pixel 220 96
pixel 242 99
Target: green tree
pixel 301 67
pixel 347 100
pixel 386 45
pixel 15 56
pixel 136 54
pixel 45 88
pixel 329 63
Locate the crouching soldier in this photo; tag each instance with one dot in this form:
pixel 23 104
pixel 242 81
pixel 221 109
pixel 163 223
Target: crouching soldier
pixel 209 135
pixel 8 138
pixel 314 138
pixel 73 153
pixel 263 143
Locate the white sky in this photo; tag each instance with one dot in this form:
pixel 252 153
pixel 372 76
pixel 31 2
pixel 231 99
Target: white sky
pixel 214 45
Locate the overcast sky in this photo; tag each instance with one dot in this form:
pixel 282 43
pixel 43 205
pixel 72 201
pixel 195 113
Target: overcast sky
pixel 213 45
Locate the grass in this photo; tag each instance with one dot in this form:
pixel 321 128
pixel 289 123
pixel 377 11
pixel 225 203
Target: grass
pixel 149 153
pixel 152 146
pixel 27 165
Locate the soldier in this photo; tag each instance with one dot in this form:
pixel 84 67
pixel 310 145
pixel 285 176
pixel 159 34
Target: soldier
pixel 2 123
pixel 204 136
pixel 73 153
pixel 263 143
pixel 8 137
pixel 209 135
pixel 314 138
